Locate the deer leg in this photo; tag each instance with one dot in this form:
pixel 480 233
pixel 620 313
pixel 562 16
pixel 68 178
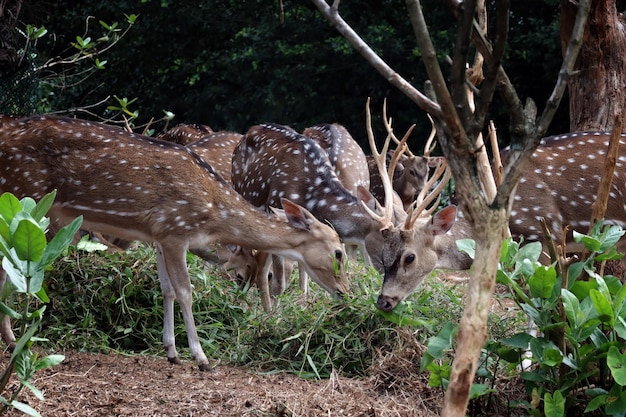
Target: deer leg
pixel 175 284
pixel 265 262
pixel 303 279
pixel 279 276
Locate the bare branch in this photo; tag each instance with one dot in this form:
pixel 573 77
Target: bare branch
pixel 395 79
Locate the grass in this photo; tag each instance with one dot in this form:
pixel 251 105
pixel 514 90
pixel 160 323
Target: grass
pixel 112 302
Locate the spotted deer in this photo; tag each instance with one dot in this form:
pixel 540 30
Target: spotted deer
pixel 274 161
pixel 185 134
pixel 217 149
pixel 560 183
pixel 344 154
pixel 139 188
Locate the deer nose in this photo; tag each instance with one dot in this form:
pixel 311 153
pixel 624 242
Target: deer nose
pixel 386 303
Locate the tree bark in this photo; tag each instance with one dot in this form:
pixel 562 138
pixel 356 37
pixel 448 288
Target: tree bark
pixel 597 93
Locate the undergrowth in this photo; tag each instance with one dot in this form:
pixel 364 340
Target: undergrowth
pixel 112 302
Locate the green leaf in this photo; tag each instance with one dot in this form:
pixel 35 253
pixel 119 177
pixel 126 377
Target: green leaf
pixel 8 311
pixel 596 403
pixel 542 282
pixel 29 241
pixel 312 365
pixel 616 362
pixel 591 243
pixel 554 404
pixel 43 206
pixel 15 276
pixel 38 394
pixel 616 402
pixel 9 207
pixel 603 306
pixel 478 390
pixel 519 340
pixel 571 305
pixel 25 408
pixel 5 233
pixel 60 241
pixel 36 281
pixel 48 362
pixel 468 246
pixel 530 251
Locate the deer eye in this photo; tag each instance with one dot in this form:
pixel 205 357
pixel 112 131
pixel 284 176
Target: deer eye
pixel 338 255
pixel 409 259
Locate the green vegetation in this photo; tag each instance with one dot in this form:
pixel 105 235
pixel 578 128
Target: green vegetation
pixel 26 255
pixel 112 302
pixel 231 64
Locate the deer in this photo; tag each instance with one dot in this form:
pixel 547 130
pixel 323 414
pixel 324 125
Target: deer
pixel 559 184
pixel 344 154
pixel 140 188
pixel 185 134
pixel 273 161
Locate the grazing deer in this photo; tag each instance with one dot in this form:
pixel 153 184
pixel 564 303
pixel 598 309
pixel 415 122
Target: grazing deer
pixel 274 161
pixel 139 188
pixel 560 184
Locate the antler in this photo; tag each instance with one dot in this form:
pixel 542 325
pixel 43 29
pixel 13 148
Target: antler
pixel 401 148
pixel 380 158
pixel 417 209
pixel 427 147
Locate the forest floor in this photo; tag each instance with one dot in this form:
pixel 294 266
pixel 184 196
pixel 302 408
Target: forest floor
pixel 90 384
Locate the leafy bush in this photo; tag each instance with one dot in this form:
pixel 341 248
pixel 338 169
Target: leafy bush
pixel 581 329
pixel 25 256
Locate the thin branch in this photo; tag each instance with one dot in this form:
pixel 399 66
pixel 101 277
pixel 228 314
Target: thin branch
pixel 395 79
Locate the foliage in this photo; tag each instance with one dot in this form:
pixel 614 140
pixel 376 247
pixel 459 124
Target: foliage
pixel 231 64
pixel 25 256
pixel 575 352
pixel 38 78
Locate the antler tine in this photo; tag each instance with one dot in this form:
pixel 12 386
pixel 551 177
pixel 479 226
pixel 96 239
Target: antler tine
pixel 399 150
pixel 401 144
pixel 427 147
pixel 379 157
pixel 442 174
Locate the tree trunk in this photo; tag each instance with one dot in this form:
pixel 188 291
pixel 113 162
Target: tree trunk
pixel 473 326
pixel 597 92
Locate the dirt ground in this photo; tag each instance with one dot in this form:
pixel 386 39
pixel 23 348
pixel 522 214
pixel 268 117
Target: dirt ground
pixel 89 385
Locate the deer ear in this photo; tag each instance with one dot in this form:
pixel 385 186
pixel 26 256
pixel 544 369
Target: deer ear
pixel 296 215
pixel 367 198
pixel 443 220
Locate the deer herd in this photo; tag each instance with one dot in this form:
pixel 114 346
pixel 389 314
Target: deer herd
pixel 258 202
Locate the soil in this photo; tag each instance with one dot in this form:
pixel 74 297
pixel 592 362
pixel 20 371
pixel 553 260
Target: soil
pixel 88 384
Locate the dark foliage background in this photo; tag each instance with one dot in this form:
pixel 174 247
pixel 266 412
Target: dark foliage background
pixel 231 64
